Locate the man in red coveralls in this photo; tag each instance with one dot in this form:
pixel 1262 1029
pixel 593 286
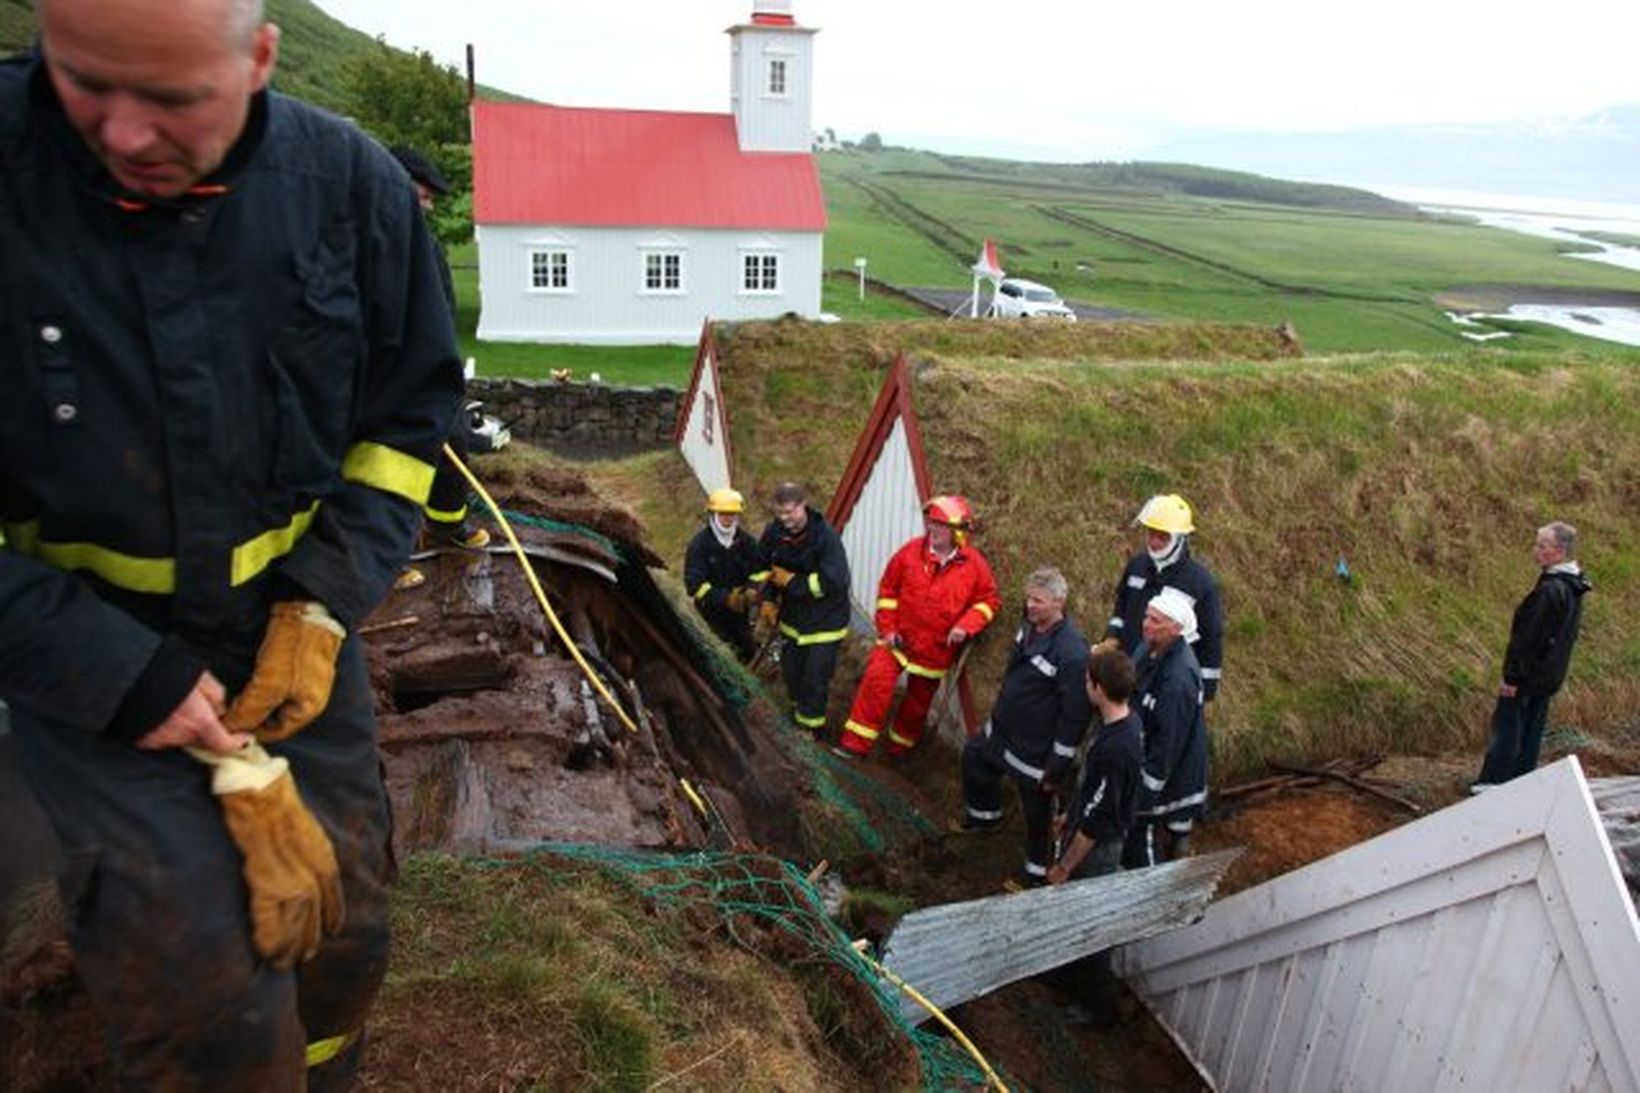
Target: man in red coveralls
pixel 936 593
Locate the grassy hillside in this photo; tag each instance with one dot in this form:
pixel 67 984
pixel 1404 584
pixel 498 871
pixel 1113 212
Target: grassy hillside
pixel 1428 474
pixel 1352 273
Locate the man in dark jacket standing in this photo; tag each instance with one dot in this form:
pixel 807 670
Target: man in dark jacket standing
pixel 718 567
pixel 806 579
pixel 1166 562
pixel 227 371
pixel 1541 637
pixel 1170 700
pixel 1036 723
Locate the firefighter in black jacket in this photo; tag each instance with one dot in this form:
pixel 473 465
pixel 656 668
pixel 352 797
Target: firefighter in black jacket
pixel 718 568
pixel 1169 697
pixel 1166 563
pixel 1036 723
pixel 1541 637
pixel 227 369
pixel 805 579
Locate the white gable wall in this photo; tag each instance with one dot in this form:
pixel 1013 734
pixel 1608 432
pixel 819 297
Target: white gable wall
pixel 607 303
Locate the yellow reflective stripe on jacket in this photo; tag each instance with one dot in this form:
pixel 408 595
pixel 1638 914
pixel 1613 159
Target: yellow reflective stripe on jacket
pixel 321 1052
pixel 21 537
pixel 705 587
pixel 985 609
pixel 917 669
pixel 760 576
pixel 389 470
pixel 157 576
pixel 888 605
pixel 255 555
pixel 446 516
pixel 819 638
pixel 814 585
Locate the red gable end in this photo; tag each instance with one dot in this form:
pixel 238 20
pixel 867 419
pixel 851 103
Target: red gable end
pixel 535 164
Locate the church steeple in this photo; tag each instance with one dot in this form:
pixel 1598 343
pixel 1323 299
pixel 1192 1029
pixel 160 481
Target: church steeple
pixel 771 79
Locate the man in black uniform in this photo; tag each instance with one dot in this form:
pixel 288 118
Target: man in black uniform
pixel 718 568
pixel 446 509
pixel 804 568
pixel 1170 700
pixel 1106 803
pixel 1166 562
pixel 1036 723
pixel 226 372
pixel 1541 636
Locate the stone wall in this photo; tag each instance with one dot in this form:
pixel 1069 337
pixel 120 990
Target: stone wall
pixel 582 420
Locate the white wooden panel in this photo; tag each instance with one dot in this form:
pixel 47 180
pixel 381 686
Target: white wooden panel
pixel 887 514
pixel 703 444
pixel 609 306
pixel 1491 945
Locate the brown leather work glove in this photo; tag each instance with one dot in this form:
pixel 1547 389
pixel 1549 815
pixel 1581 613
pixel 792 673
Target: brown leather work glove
pixel 768 613
pixel 780 577
pixel 290 868
pixel 295 669
pixel 736 600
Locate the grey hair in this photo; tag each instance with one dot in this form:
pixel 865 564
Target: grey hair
pixel 1565 536
pixel 1049 580
pixel 245 17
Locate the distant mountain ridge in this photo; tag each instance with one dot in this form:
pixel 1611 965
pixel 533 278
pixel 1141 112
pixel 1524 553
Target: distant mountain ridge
pixel 1594 158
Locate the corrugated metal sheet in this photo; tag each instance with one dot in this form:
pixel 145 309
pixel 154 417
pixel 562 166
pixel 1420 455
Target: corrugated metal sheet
pixel 1618 801
pixel 1489 946
pixel 539 164
pixel 961 951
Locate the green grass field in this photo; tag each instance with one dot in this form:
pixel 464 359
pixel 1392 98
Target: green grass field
pixel 1349 280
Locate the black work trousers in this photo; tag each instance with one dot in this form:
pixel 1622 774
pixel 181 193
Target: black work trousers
pixel 807 672
pixel 447 500
pixel 984 764
pixel 158 918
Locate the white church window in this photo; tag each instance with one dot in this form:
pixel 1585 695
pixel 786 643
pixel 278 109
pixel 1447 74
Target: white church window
pixel 777 76
pixel 663 271
pixel 551 270
pixel 760 272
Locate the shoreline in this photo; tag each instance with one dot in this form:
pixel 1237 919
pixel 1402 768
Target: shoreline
pixel 1503 297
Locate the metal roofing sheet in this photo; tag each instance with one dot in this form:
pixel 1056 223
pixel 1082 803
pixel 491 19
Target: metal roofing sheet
pixel 540 164
pixel 959 951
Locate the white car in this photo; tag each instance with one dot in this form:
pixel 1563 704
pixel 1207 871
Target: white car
pixel 1020 299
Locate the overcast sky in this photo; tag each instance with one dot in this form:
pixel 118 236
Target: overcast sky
pixel 1044 79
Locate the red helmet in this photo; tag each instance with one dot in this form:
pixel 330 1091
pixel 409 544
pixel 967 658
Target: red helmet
pixel 953 510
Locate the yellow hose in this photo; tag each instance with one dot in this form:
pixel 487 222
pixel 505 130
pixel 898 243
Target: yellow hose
pixel 917 997
pixel 535 585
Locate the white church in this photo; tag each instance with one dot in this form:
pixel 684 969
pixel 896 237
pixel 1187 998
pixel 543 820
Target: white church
pixel 631 227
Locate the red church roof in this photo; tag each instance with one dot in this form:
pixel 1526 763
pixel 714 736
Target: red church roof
pixel 535 164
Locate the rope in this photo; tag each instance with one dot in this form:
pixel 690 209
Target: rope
pixel 938 1015
pixel 535 586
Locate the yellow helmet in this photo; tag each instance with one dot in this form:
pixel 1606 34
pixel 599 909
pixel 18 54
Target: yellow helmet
pixel 724 499
pixel 1166 512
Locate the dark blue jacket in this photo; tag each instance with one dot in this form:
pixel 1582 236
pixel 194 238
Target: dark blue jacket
pixel 1169 699
pixel 1140 582
pixel 1111 780
pixel 1543 631
pixel 814 608
pixel 206 404
pixel 711 570
pixel 1042 707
